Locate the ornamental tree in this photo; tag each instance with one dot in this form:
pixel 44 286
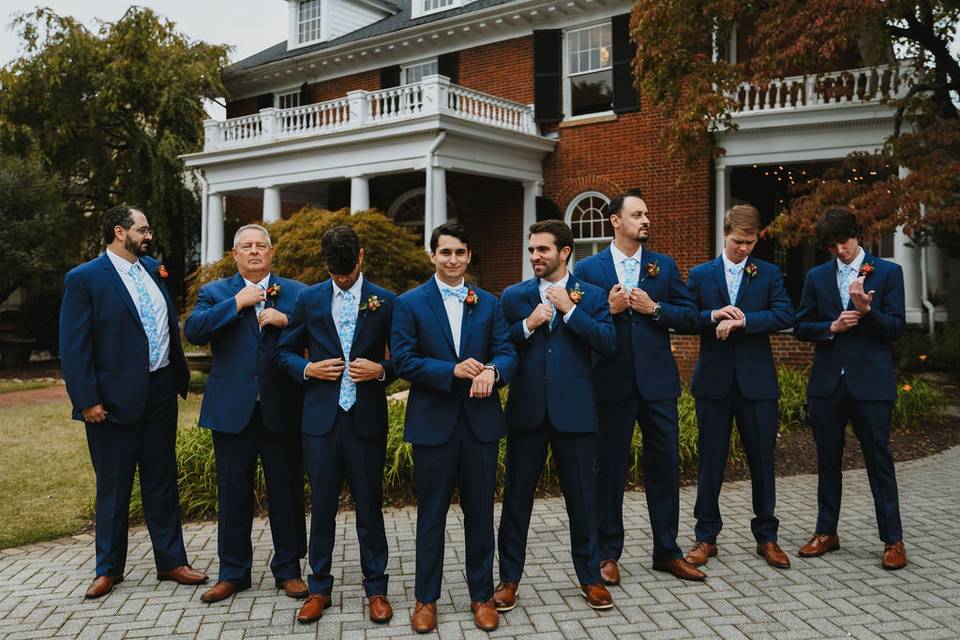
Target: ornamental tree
pixel 681 69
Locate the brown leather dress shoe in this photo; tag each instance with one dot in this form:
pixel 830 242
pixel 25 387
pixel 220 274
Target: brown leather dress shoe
pixel 819 544
pixel 101 586
pixel 776 557
pixel 894 556
pixel 505 596
pixel 679 568
pixel 424 618
pixel 485 615
pixel 700 552
pixel 293 588
pixel 380 609
pixel 183 575
pixel 223 590
pixel 597 596
pixel 610 572
pixel 312 609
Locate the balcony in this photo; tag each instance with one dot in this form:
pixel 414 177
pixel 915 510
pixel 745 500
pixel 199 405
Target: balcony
pixel 433 96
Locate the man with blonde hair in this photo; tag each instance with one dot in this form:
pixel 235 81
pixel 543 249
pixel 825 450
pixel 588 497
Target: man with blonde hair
pixel 741 301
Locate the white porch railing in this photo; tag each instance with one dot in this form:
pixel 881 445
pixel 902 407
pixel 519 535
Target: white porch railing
pixel 853 86
pixel 434 95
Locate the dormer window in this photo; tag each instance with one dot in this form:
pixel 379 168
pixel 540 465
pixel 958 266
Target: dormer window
pixel 308 21
pixel 424 7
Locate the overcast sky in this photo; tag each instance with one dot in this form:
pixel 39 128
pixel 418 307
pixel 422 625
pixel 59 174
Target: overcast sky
pixel 249 25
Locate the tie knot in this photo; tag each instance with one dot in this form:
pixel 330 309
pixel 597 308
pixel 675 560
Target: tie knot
pixel 135 269
pixel 735 269
pixel 455 292
pixel 346 295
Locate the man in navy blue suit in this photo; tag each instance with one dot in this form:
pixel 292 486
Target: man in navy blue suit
pixel 253 410
pixel 450 342
pixel 639 383
pixel 741 301
pixel 557 323
pixel 853 308
pixel 123 366
pixel 344 324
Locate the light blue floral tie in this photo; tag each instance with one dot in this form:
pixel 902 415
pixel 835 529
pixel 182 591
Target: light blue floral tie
pixel 457 292
pixel 553 308
pixel 345 327
pixel 148 317
pixel 845 285
pixel 734 287
pixel 631 274
pixel 260 306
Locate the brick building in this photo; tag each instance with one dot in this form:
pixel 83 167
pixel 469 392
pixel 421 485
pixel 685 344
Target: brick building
pixel 499 112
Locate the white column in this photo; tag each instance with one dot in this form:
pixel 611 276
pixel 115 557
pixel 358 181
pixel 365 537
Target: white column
pixel 214 228
pixel 271 204
pixel 909 260
pixel 531 189
pixel 722 198
pixel 359 193
pixel 439 196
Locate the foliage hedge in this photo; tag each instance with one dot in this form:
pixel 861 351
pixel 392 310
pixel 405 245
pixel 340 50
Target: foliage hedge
pixel 918 401
pixel 917 351
pixel 393 256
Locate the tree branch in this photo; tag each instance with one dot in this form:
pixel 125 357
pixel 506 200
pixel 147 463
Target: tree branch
pixel 904 102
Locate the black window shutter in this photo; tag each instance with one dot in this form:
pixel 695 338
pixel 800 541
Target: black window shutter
pixel 547 75
pixel 305 94
pixel 264 101
pixel 625 95
pixel 449 65
pixel 390 77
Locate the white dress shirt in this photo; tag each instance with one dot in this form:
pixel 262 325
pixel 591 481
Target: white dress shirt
pixel 618 258
pixel 122 265
pixel 454 308
pixel 543 286
pixel 263 284
pixel 731 279
pixel 855 265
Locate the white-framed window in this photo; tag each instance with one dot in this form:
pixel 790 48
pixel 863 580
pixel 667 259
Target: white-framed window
pixel 588 67
pixel 308 21
pixel 423 7
pixel 409 211
pixel 588 219
pixel 287 100
pixel 417 71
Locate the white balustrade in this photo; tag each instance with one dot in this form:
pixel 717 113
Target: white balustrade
pixel 432 96
pixel 853 86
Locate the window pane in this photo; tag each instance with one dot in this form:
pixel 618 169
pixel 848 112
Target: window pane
pixel 591 92
pixel 309 20
pixel 589 49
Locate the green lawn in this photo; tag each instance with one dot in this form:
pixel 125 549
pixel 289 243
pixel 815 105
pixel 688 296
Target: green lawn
pixel 6 386
pixel 46 480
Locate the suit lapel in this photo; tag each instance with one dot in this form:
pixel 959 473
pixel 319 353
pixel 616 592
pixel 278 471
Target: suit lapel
pixel 325 308
pixel 435 302
pixel 720 278
pixel 465 323
pixel 362 313
pixel 744 283
pixel 609 270
pixel 121 288
pixel 834 288
pixel 248 315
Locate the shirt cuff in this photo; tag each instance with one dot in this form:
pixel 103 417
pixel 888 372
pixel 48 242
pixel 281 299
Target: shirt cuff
pixel 566 316
pixel 713 316
pixel 526 332
pixel 305 377
pixel 383 376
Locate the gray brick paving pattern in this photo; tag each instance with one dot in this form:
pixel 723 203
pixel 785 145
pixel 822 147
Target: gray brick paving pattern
pixel 843 595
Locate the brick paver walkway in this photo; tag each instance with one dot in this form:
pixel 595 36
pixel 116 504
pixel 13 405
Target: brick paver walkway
pixel 846 594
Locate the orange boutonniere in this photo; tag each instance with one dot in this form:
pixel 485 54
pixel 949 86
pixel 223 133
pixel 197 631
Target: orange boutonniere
pixel 653 270
pixel 273 290
pixel 471 298
pixel 751 269
pixel 576 294
pixel 372 304
pixel 865 269
pixel 162 272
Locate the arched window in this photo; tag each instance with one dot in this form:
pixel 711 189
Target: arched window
pixel 408 210
pixel 588 218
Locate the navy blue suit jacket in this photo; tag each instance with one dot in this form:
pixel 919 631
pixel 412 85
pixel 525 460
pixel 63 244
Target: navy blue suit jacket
pixel 864 352
pixel 243 364
pixel 643 359
pixel 103 347
pixel 555 376
pixel 422 347
pixel 745 354
pixel 312 328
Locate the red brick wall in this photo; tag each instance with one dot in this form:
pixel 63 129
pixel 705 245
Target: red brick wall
pixel 244 107
pixel 787 352
pixel 503 69
pixel 338 87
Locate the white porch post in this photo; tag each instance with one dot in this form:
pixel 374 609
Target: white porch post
pixel 722 197
pixel 439 196
pixel 531 189
pixel 271 204
pixel 909 260
pixel 214 248
pixel 359 193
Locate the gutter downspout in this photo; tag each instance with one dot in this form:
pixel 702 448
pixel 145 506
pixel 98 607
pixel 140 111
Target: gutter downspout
pixel 428 200
pixel 203 217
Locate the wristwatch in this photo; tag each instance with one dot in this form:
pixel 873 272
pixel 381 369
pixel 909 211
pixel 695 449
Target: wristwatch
pixel 496 372
pixel 656 311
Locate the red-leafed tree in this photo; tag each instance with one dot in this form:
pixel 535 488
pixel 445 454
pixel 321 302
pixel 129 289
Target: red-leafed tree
pixel 678 69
